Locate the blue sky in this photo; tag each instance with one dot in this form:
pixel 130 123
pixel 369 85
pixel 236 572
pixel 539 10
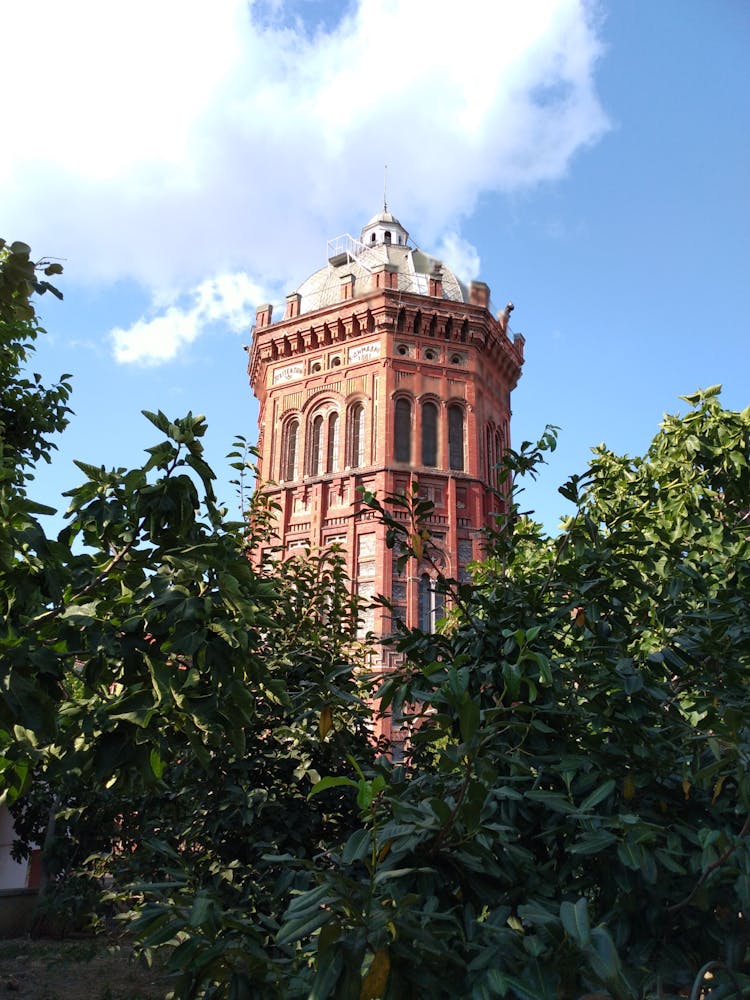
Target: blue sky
pixel 590 161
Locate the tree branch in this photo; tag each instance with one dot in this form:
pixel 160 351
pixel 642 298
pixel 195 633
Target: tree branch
pixel 711 868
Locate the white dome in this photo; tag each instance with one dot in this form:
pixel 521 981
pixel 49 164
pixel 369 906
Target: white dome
pixel 383 241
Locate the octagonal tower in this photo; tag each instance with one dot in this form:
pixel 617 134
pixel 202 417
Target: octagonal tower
pixel 385 372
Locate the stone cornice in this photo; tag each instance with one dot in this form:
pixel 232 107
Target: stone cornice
pixel 389 311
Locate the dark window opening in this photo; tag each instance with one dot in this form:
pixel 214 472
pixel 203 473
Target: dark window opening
pixel 429 434
pixel 333 443
pixel 456 437
pixel 402 431
pixel 289 450
pixel 431 604
pixel 357 436
pixel 315 454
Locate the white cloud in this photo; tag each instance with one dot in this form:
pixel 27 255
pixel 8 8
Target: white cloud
pixel 166 141
pixel 227 300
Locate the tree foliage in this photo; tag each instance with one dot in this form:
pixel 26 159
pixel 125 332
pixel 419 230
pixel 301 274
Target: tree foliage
pixel 29 411
pixel 173 705
pixel 575 815
pixel 572 817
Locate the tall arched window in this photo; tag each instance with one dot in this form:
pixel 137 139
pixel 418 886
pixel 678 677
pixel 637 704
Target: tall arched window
pixel 402 431
pixel 332 455
pixel 489 451
pixel 289 447
pixel 430 604
pixel 429 433
pixel 315 447
pixel 356 437
pixel 499 446
pixel 456 437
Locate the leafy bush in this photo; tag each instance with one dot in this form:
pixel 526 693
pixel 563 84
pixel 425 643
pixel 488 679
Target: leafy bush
pixel 575 812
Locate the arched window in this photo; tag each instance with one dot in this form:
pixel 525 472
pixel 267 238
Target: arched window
pixel 402 431
pixel 456 437
pixel 429 433
pixel 289 447
pixel 315 447
pixel 499 449
pixel 332 456
pixel 356 436
pixel 489 451
pixel 430 604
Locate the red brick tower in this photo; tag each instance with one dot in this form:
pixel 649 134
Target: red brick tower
pixel 385 371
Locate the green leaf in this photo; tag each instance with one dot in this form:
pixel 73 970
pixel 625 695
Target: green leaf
pixel 330 965
pixel 469 716
pixel 159 420
pixel 331 782
pixel 200 910
pixel 357 847
pixel 296 930
pixel 593 842
pixel 575 920
pixel 603 956
pixel 157 764
pixel 552 800
pixel 598 795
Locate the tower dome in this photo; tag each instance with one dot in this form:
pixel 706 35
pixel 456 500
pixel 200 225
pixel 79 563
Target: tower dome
pixel 383 241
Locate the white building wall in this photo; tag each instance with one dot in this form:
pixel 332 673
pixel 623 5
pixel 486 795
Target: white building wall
pixel 13 875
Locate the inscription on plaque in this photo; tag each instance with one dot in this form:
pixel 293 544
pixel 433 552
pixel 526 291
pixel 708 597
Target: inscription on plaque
pixel 364 352
pixel 288 373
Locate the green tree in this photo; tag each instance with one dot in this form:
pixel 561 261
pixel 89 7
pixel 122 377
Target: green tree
pixel 165 704
pixel 29 411
pixel 30 415
pixel 575 812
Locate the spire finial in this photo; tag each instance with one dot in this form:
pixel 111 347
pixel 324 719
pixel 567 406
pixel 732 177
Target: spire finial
pixel 385 187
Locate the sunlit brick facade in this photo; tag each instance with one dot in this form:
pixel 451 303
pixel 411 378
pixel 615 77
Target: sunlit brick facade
pixel 385 372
